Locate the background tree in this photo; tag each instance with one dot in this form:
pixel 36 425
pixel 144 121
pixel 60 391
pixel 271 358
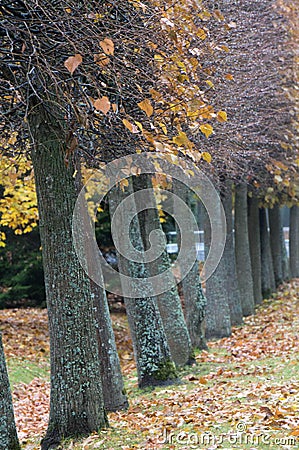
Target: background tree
pixel 8 432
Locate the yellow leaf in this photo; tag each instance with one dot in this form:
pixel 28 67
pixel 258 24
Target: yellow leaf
pixel 221 116
pixel 181 140
pixel 146 106
pixel 139 125
pixel 206 129
pixel 210 83
pixel 73 62
pixel 13 139
pixel 201 34
pixel 206 156
pixel 107 46
pixel 102 104
pixel 130 126
pixel 163 127
pixel 123 183
pixel 159 58
pixel 225 48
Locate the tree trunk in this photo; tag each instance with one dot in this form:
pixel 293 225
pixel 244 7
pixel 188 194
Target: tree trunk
pixel 285 259
pixel 111 376
pixel 275 241
pixel 169 302
pixel 76 403
pixel 8 433
pixel 194 298
pixel 242 251
pixel 229 260
pixel 255 247
pixel 268 280
pixel 218 323
pixel 294 241
pixel 153 358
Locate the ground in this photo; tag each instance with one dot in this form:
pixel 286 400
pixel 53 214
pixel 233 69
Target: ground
pixel 242 394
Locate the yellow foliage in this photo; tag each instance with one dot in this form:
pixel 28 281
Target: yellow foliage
pixel 206 129
pixel 18 207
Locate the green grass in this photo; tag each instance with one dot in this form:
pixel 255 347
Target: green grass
pixel 276 371
pixel 24 371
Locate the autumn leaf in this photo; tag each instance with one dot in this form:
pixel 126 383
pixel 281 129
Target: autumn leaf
pixel 107 46
pixel 163 127
pixel 102 104
pixel 206 156
pixel 206 129
pixel 123 184
pixel 130 126
pixel 181 140
pixel 229 76
pixel 101 59
pixel 146 106
pixel 73 62
pixel 225 48
pixel 201 34
pixel 221 116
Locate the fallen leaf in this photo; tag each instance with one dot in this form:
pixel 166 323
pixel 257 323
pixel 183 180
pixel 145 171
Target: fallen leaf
pixel 73 62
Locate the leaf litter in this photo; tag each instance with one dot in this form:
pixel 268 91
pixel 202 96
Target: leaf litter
pixel 246 382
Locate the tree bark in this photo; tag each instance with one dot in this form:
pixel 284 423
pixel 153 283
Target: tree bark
pixel 243 261
pixel 218 323
pixel 294 241
pixel 275 241
pixel 76 403
pixel 111 376
pixel 8 433
pixel 194 298
pixel 169 302
pixel 285 259
pixel 229 260
pixel 267 274
pixel 255 247
pixel 152 354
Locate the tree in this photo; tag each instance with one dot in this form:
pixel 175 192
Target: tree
pixel 243 261
pixel 234 298
pixel 255 247
pixel 218 319
pixel 152 354
pixel 276 242
pixel 267 272
pixel 194 299
pixel 294 241
pixel 76 403
pixel 169 302
pixel 8 432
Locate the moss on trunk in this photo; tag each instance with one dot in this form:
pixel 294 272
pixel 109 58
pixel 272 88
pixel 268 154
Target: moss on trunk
pixel 76 402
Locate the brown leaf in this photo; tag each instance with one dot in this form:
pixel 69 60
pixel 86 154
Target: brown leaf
pixel 107 46
pixel 102 104
pixel 146 106
pixel 101 59
pixel 73 62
